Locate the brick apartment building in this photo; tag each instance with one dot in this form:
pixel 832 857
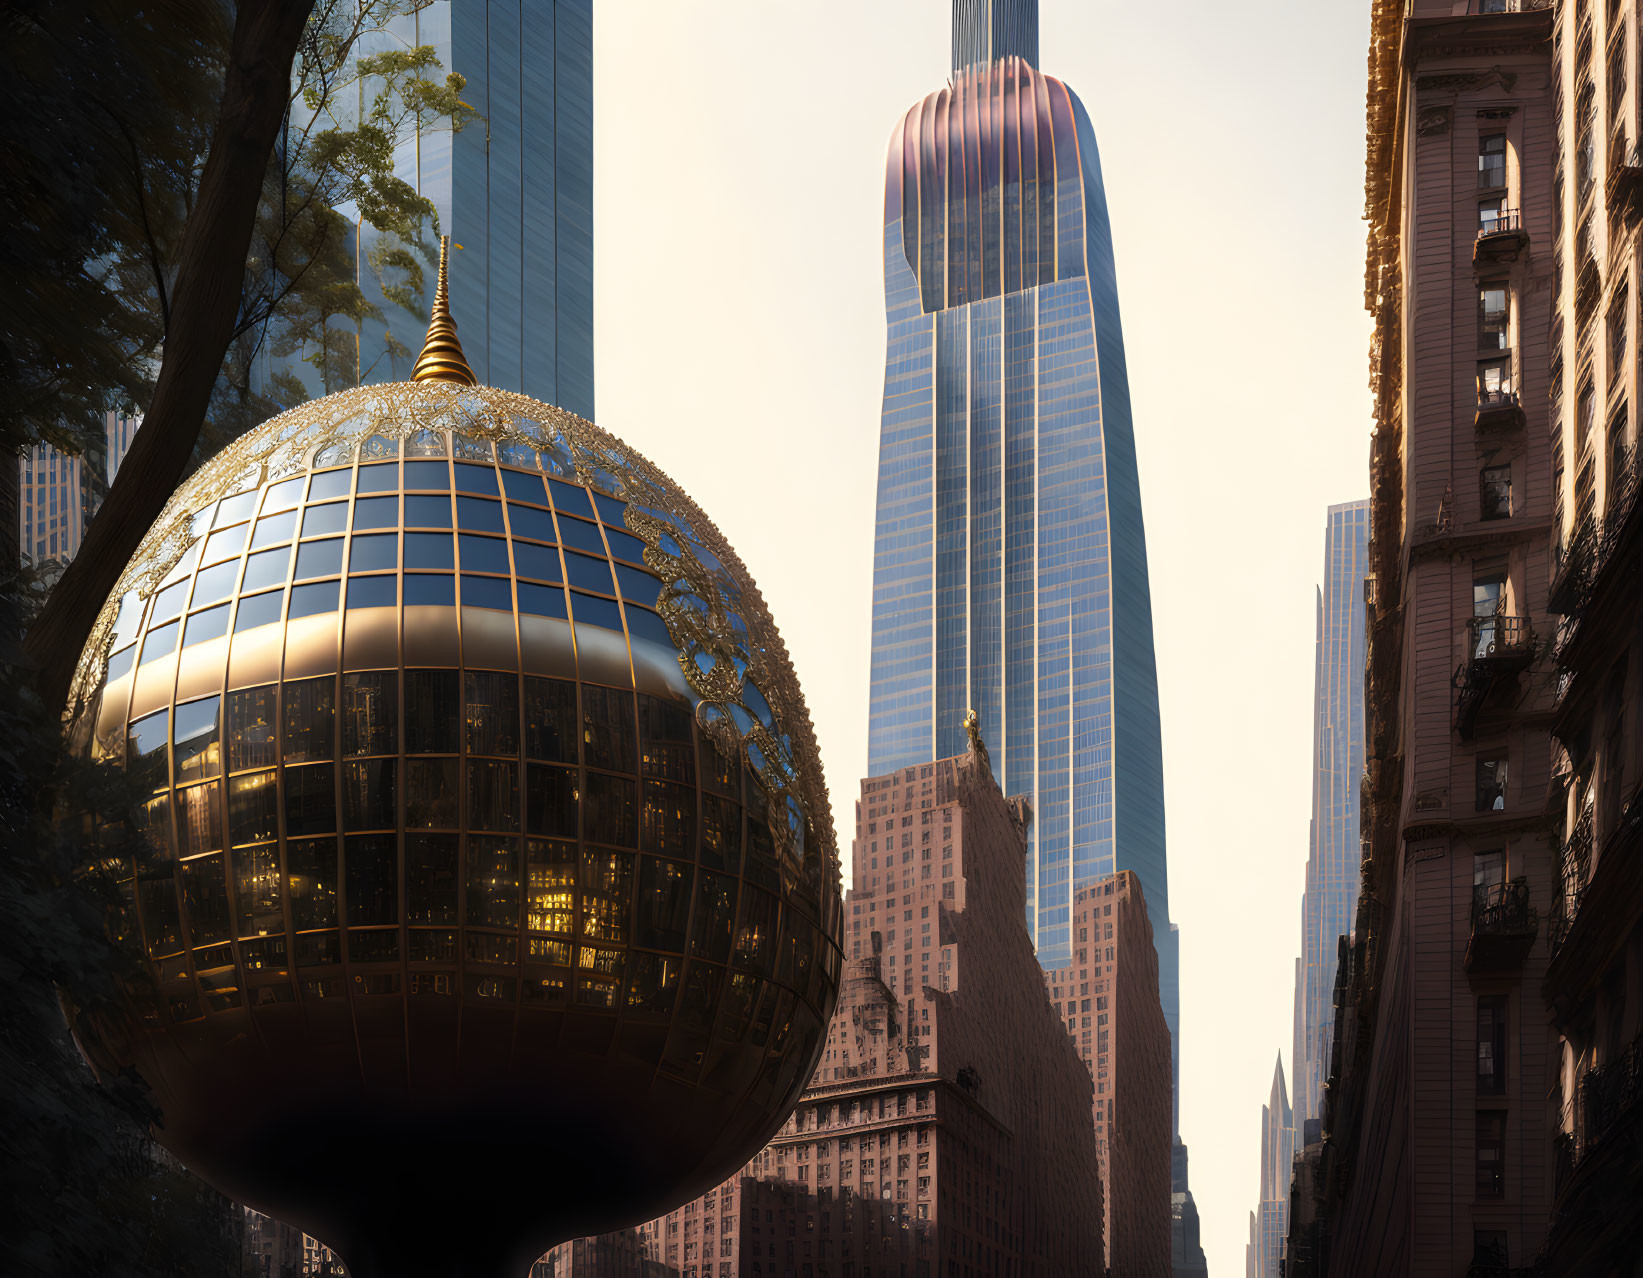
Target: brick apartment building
pixel 947 1131
pixel 1108 998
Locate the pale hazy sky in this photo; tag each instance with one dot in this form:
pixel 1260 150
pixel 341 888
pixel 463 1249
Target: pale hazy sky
pixel 740 328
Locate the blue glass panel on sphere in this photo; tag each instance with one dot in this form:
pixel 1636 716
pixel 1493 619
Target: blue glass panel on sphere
pixel 427 512
pixel 590 611
pixel 610 510
pixel 475 514
pixel 475 479
pixel 637 586
pixel 376 512
pixel 319 558
pixel 330 483
pixel 212 584
pixel 258 610
pixel 314 598
pixel 266 568
pixel 121 662
pixel 429 550
pixel 273 529
pixel 161 642
pixel 645 626
pixel 210 624
pixel 282 496
pixel 527 521
pixel 541 601
pixel 429 588
pixel 624 546
pixel 427 474
pixel 582 535
pixel 381 477
pixel 540 562
pixel 483 554
pixel 487 592
pixel 377 551
pixel 521 486
pixel 329 518
pixel 588 573
pixel 570 498
pixel 373 592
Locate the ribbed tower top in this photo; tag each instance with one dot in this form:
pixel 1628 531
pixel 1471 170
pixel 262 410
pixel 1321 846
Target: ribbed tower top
pixel 986 30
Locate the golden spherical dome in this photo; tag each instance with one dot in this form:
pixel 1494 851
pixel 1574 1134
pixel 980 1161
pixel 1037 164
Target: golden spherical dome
pixel 493 894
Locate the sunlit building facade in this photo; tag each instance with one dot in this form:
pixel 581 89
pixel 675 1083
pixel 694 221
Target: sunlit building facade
pixel 1337 772
pixel 58 493
pixel 1010 570
pixel 946 1129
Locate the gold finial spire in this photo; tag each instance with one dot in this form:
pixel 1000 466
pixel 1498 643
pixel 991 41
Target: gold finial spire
pixel 442 359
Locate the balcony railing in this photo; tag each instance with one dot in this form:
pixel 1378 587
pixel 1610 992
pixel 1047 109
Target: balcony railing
pixel 1497 648
pixel 1506 6
pixel 1500 239
pixel 1504 926
pixel 1498 409
pixel 1574 871
pixel 1499 637
pixel 1610 1094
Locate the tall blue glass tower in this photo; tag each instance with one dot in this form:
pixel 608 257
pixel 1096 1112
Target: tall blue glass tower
pixel 514 190
pixel 1010 566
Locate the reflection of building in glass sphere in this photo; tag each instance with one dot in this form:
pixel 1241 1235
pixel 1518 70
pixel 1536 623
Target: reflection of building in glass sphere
pixel 494 896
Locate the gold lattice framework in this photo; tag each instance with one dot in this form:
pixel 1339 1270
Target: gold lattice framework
pixel 713 611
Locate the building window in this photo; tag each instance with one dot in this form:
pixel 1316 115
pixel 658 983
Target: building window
pixel 1489 1250
pixel 1491 161
pixel 1617 339
pixel 1495 497
pixel 1491 1045
pixel 1620 453
pixel 1488 602
pixel 1489 212
pixel 1585 154
pixel 1495 380
pixel 1491 784
pixel 1493 309
pixel 1491 1153
pixel 1617 74
pixel 1488 871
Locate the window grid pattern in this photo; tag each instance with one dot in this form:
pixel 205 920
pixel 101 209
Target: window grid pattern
pixel 373 821
pixel 1010 567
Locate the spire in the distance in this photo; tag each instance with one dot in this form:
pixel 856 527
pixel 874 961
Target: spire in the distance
pixel 442 359
pixel 987 30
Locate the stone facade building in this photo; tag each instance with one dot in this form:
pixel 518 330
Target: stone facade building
pixel 1594 979
pixel 947 1130
pixel 1434 1155
pixel 1108 998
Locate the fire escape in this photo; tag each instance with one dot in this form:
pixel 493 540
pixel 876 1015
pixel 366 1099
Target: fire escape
pixel 1499 647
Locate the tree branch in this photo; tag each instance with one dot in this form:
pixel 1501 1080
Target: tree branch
pixel 205 300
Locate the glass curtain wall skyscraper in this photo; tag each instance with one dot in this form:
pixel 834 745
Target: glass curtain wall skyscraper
pixel 1010 570
pixel 514 190
pixel 1332 867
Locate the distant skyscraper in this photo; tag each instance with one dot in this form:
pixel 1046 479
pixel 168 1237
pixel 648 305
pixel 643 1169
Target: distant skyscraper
pixel 1332 872
pixel 1010 569
pixel 514 189
pixel 59 493
pixel 1269 1222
